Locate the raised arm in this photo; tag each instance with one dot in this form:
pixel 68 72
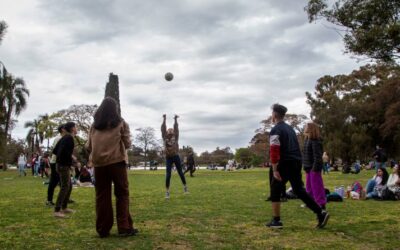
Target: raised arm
pixel 176 127
pixel 164 127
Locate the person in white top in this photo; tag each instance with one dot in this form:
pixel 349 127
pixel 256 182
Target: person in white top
pixel 394 181
pixel 22 164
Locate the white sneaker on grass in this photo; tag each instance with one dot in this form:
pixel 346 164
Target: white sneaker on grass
pixel 185 190
pixel 167 195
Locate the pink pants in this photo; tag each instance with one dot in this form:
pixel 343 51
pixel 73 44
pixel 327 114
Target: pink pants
pixel 315 187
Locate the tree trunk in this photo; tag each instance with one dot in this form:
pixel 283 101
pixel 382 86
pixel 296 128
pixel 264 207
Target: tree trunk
pixel 7 127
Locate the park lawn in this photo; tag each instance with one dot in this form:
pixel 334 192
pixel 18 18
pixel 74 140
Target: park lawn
pixel 224 210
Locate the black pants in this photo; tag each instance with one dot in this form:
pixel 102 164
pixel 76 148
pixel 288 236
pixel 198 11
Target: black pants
pixel 291 171
pixel 54 181
pixel 66 187
pixel 190 168
pixel 283 186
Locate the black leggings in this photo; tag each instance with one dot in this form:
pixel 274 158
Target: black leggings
pixel 291 171
pixel 177 161
pixel 54 181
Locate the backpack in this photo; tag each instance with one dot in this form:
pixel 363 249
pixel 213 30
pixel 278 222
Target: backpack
pixel 334 197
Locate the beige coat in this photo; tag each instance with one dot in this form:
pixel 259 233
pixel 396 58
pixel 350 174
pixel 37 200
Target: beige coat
pixel 108 146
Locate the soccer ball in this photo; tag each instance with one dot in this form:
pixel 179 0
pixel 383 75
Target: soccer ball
pixel 169 76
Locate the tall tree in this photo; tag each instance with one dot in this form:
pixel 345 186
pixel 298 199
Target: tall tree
pixel 112 89
pixel 13 100
pixel 371 27
pixel 3 28
pixel 48 127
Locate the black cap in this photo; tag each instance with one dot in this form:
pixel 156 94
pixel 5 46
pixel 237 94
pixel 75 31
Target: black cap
pixel 279 109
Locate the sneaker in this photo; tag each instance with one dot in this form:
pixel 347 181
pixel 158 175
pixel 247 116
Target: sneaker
pixel 131 232
pixel 322 219
pixel 60 215
pixel 185 190
pixel 167 195
pixel 50 204
pixel 275 224
pixel 67 211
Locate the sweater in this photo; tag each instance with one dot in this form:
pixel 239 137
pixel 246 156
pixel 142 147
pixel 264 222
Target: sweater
pixel 64 150
pixel 171 146
pixel 284 145
pixel 312 155
pixel 109 146
pixel 392 182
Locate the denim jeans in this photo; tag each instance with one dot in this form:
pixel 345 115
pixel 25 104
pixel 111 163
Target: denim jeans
pixel 177 161
pixel 370 188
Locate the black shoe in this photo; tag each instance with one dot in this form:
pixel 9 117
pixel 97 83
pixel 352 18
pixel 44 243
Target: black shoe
pixel 322 219
pixel 50 204
pixel 275 224
pixel 131 232
pixel 71 201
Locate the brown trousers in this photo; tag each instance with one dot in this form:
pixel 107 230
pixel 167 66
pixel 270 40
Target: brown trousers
pixel 104 177
pixel 65 187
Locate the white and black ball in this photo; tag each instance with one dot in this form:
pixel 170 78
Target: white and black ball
pixel 169 76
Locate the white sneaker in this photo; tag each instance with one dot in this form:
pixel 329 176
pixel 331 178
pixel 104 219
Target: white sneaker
pixel 167 195
pixel 60 215
pixel 185 190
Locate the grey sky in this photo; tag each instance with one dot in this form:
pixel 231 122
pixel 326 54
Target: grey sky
pixel 231 60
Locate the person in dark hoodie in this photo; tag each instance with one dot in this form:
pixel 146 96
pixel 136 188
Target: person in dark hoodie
pixel 190 164
pixel 285 158
pixel 64 150
pixel 313 164
pixel 171 147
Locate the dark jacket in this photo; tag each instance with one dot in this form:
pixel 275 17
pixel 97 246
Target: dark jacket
pixel 284 145
pixel 312 155
pixel 64 150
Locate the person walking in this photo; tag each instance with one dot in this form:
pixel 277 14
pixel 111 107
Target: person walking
pixel 54 177
pixel 285 158
pixel 22 164
pixel 313 164
pixel 64 150
pixel 171 147
pixel 109 138
pixel 191 167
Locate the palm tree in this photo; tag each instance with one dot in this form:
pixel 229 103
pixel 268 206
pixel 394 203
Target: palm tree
pixel 47 127
pixel 13 100
pixel 35 136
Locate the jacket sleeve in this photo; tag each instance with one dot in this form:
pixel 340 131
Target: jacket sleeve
pixel 274 147
pixel 176 130
pixel 317 155
pixel 126 135
pixel 163 130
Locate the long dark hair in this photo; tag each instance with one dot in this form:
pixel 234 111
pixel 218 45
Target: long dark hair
pixel 385 175
pixel 107 115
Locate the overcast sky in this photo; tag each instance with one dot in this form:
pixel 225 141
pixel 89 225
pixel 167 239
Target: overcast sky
pixel 231 60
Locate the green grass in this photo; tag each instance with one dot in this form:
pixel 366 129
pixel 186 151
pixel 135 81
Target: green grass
pixel 224 210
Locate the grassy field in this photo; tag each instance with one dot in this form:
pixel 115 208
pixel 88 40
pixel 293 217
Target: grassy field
pixel 224 210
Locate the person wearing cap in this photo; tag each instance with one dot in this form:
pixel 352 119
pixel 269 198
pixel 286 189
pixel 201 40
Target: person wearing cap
pixel 54 177
pixel 286 163
pixel 171 148
pixel 64 150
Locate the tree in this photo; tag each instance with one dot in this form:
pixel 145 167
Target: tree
pixel 358 111
pixel 371 27
pixel 81 114
pixel 35 135
pixel 146 140
pixel 112 89
pixel 48 127
pixel 244 156
pixel 3 28
pixel 13 100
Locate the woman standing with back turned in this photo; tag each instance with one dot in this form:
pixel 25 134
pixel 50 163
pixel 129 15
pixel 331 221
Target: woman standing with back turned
pixel 109 138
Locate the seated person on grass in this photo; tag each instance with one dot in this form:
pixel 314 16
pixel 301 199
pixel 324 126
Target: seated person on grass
pixel 375 185
pixel 393 183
